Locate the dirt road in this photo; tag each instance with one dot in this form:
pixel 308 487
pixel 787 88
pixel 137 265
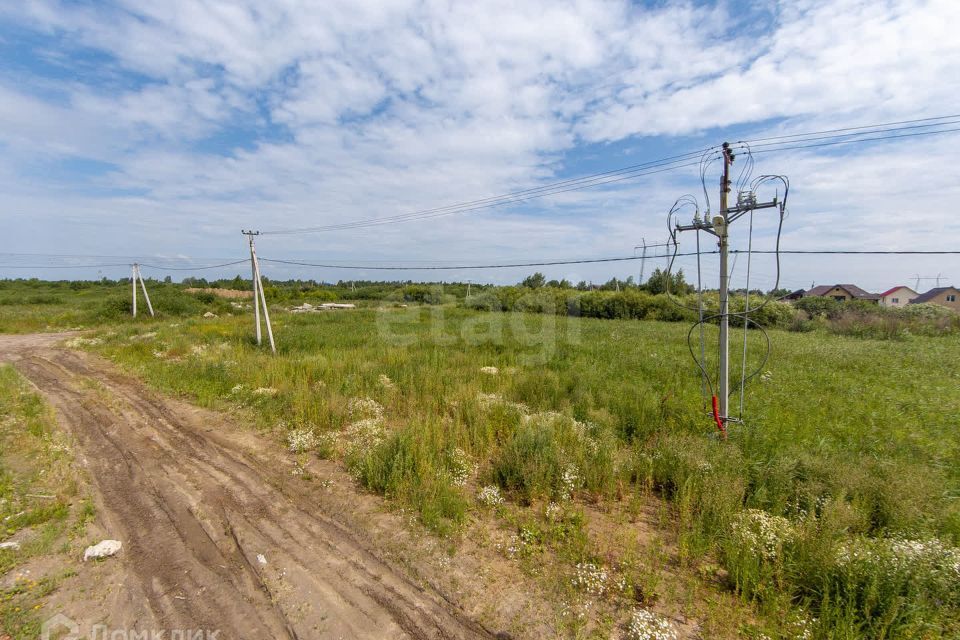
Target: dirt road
pixel 216 535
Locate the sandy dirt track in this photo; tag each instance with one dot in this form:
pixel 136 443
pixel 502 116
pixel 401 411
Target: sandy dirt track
pixel 196 499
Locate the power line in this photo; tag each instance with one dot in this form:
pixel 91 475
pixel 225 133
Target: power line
pixel 656 166
pixel 118 264
pixel 868 126
pixel 210 266
pixel 854 137
pixel 824 252
pixel 546 263
pixel 590 181
pixel 859 140
pixel 469 266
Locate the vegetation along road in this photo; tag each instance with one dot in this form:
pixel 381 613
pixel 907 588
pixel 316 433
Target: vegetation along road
pixel 214 537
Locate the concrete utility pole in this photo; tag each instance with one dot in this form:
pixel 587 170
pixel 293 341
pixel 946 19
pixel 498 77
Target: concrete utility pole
pixel 719 227
pixel 136 275
pixel 133 281
pixel 258 296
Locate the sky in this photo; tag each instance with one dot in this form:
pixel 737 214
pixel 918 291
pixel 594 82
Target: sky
pixel 159 130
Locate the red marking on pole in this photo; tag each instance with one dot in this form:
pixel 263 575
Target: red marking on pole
pixel 716 418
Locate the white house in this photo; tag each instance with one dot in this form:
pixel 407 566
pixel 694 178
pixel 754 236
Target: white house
pixel 898 296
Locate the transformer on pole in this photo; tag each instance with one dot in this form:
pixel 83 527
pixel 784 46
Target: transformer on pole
pixel 719 226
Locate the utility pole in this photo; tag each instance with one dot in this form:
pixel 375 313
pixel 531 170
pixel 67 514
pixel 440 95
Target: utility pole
pixel 643 256
pixel 937 278
pixel 133 281
pixel 136 275
pixel 258 296
pixel 719 226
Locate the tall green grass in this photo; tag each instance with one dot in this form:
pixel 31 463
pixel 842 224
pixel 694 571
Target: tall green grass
pixel 850 441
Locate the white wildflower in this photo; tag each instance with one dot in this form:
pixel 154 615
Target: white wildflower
pixel 198 349
pixel 386 382
pixel 490 371
pixel 569 481
pixel 461 467
pixel 300 440
pixel 553 511
pixel 761 533
pixel 237 388
pixel 591 578
pixel 646 625
pixel 83 342
pixel 365 408
pixel 265 391
pixel 490 496
pixel 363 436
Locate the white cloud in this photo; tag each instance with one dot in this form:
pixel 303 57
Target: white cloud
pixel 374 109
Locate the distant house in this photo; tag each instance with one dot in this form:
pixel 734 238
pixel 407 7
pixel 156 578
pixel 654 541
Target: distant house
pixel 898 296
pixel 794 295
pixel 841 293
pixel 944 296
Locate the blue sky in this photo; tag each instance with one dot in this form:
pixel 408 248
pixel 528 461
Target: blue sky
pixel 162 129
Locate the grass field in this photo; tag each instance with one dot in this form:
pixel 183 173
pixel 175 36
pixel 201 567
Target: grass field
pixel 833 511
pixel 41 505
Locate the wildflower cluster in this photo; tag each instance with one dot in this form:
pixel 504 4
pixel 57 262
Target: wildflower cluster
pixel 490 400
pixel 646 625
pixel 74 343
pixel 928 560
pixel 237 388
pixel 365 408
pixel 461 467
pixel 300 440
pixel 490 371
pixel 553 511
pixel 265 391
pixel 761 534
pixel 490 496
pixel 570 481
pixel 802 626
pixel 591 578
pixel 363 436
pixel 386 382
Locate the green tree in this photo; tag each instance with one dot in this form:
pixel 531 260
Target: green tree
pixel 660 282
pixel 535 281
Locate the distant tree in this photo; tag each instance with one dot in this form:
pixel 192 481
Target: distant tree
pixel 582 285
pixel 168 280
pixel 535 281
pixel 660 281
pixel 565 284
pixel 554 284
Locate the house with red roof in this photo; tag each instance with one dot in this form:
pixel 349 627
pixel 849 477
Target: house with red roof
pixel 898 296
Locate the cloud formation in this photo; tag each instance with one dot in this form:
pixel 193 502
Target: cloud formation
pixel 163 128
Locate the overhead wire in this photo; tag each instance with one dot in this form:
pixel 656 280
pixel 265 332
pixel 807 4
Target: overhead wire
pixel 707 156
